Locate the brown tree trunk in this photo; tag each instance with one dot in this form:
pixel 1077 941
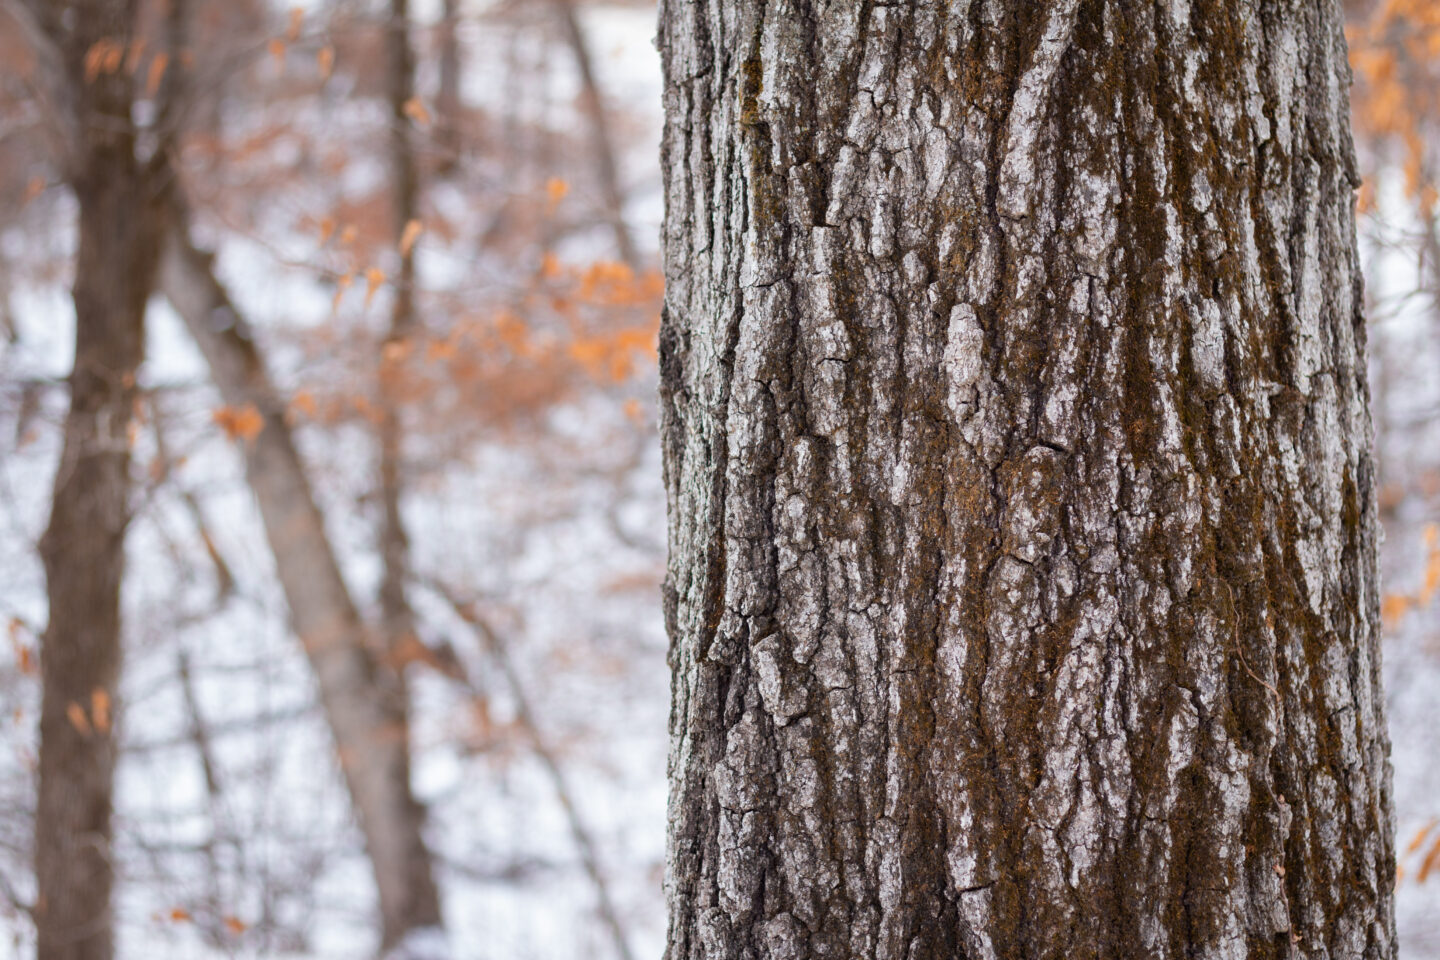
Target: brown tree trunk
pixel 404 197
pixel 357 689
pixel 83 548
pixel 449 141
pixel 1022 591
pixel 420 908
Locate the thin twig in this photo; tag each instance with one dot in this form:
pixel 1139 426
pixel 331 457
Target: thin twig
pixel 1235 632
pixel 467 612
pixel 602 143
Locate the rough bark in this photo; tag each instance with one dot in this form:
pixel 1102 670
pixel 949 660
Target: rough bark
pixel 83 548
pixel 1022 590
pixel 355 686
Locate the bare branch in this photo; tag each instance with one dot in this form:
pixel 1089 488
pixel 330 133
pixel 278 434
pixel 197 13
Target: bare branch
pixel 468 612
pixel 601 141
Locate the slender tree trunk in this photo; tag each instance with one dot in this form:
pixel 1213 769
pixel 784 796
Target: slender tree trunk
pixel 356 689
pixel 448 104
pixel 404 197
pixel 1022 590
pixel 420 907
pixel 83 548
pixel 602 143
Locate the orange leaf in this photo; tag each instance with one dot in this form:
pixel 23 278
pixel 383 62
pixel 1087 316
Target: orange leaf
pixel 179 914
pixel 304 402
pixel 158 63
pixel 327 230
pixel 100 709
pixel 513 333
pixel 1428 864
pixel 277 50
pixel 342 284
pixel 240 423
pixel 1432 578
pixel 33 189
pixel 440 350
pixel 411 233
pixel 417 111
pixel 297 16
pixel 76 715
pixel 556 189
pixel 24 655
pixel 1420 835
pixel 374 277
pixel 235 925
pixel 325 60
pixel 1393 607
pixel 396 351
pixel 102 57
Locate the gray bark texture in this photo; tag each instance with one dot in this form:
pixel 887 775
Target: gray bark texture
pixel 1022 594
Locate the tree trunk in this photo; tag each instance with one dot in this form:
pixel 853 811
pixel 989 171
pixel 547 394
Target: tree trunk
pixel 398 622
pixel 420 908
pixel 1022 592
pixel 448 138
pixel 83 548
pixel 355 689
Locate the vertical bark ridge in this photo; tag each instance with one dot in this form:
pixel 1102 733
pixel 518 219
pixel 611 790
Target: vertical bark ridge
pixel 1022 589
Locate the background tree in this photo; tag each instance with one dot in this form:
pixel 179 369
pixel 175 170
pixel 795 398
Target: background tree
pixel 463 365
pixel 82 48
pixel 1022 595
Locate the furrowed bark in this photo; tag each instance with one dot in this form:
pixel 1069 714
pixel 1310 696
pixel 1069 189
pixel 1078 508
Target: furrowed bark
pixel 1022 593
pixel 357 690
pixel 83 547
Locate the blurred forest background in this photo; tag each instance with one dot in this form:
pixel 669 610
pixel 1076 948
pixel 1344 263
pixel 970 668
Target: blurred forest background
pixel 413 281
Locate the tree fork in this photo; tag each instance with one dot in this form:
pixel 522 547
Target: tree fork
pixel 1022 595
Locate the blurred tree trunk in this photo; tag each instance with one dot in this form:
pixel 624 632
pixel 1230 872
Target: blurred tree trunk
pixel 359 671
pixel 448 104
pixel 357 686
pixel 83 548
pixel 420 908
pixel 1022 595
pixel 602 143
pixel 404 196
